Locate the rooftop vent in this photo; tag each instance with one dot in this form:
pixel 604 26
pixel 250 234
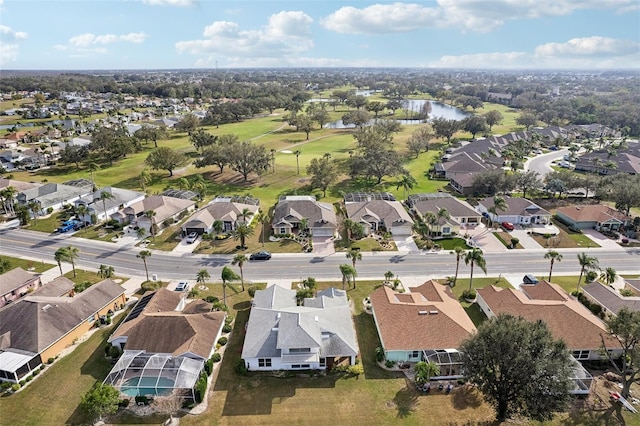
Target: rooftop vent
pixel 423 312
pixel 433 312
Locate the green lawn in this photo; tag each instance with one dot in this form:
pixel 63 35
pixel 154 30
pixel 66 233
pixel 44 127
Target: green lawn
pixel 38 267
pixel 48 224
pixel 452 243
pixel 253 243
pixel 365 244
pixel 84 276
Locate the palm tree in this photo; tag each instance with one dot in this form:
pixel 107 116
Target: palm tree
pixel 218 226
pixel 407 182
pixel 72 253
pixel 202 276
pixel 140 233
pixel 241 232
pixel 82 212
pixel 143 255
pixel 431 219
pixel 297 153
pixel 34 206
pixel 60 256
pixel 387 276
pixel 93 167
pixel 245 214
pixel 262 218
pixel 609 275
pixel 149 214
pixel 105 271
pixel 499 203
pixel 239 260
pixel 424 371
pixel 442 214
pixel 586 262
pixel 227 275
pixel 104 196
pixel 475 257
pixel 554 256
pixel 459 252
pixel 8 195
pixel 354 255
pixel 348 272
pixel 144 178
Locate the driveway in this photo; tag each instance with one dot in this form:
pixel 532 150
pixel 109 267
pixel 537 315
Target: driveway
pixel 482 237
pixel 406 244
pixel 525 239
pixel 601 240
pixel 184 247
pixel 323 246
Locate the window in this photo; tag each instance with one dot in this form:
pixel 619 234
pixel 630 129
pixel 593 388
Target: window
pixel 581 354
pixel 415 354
pixel 299 350
pixel 264 362
pixel 300 366
pixel 283 230
pixel 323 362
pixel 446 230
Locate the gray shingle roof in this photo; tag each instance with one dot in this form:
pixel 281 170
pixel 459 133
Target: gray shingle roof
pixel 15 278
pixel 295 208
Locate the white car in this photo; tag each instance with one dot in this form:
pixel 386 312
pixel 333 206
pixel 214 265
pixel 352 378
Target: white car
pixel 192 237
pixel 182 286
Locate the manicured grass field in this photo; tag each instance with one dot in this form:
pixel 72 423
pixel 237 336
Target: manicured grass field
pixel 565 239
pixel 452 243
pixel 38 267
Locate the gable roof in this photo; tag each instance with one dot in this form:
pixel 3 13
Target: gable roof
pixel 567 318
pixel 164 207
pixel 277 323
pixel 516 206
pixel 610 299
pixel 225 211
pixel 427 318
pixel 58 287
pixel 388 212
pixel 593 213
pixel 52 193
pixel 36 322
pixel 15 278
pixel 424 203
pixel 295 208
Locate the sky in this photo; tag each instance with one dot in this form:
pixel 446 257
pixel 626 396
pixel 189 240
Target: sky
pixel 177 34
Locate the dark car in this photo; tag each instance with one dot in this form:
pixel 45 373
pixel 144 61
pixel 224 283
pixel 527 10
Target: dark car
pixel 261 255
pixel 508 226
pixel 529 279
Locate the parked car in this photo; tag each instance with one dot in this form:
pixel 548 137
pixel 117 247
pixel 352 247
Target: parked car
pixel 182 286
pixel 261 255
pixel 192 237
pixel 508 226
pixel 529 279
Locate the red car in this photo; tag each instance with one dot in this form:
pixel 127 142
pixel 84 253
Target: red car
pixel 508 226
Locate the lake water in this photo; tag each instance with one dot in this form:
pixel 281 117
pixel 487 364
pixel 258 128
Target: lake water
pixel 438 109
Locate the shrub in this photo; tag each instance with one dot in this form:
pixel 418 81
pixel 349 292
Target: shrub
pixel 625 292
pixel 50 360
pixel 22 382
pixel 149 285
pixel 379 354
pixel 389 363
pixel 252 291
pixel 223 341
pixel 4 386
pixel 36 372
pixel 208 366
pixel 15 387
pixel 241 368
pixel 227 328
pixel 355 370
pixel 591 276
pixel 219 306
pixel 216 357
pixel 28 379
pixel 115 352
pixel 228 319
pixel 211 299
pixel 124 403
pixel 201 388
pixel 469 294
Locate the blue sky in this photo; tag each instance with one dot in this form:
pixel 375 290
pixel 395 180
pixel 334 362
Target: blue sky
pixel 148 34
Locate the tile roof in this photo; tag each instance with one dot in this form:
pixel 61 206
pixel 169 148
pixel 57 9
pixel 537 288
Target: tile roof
pixel 593 213
pixel 567 319
pixel 431 319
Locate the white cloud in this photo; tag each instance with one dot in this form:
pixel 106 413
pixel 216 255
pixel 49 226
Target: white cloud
pixel 579 53
pixel 178 3
pixel 10 44
pixel 294 62
pixel 88 39
pixel 479 16
pixel 286 33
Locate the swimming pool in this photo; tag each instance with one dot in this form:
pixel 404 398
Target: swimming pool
pixel 137 386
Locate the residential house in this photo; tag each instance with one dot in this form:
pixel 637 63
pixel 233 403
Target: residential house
pixel 52 195
pixel 227 210
pixel 595 216
pixel 610 299
pixel 291 210
pixel 119 199
pixel 17 283
pixel 379 214
pixel 17 184
pixel 166 342
pixel 38 327
pixel 608 162
pixel 284 336
pixel 427 324
pixel 565 316
pixel 519 211
pixel 166 209
pixel 461 214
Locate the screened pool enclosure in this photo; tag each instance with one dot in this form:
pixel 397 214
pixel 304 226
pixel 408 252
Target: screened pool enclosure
pixel 138 373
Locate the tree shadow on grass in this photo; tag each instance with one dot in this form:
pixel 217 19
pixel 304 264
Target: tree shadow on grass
pixel 406 401
pixel 595 417
pixel 466 397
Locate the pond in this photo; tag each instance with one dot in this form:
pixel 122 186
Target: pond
pixel 438 109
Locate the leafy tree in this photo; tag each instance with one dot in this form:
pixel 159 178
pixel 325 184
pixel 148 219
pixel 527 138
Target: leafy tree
pixel 323 173
pixel 304 123
pixel 144 254
pixel 445 128
pixel 153 133
pixel 241 233
pixel 355 256
pixel 165 158
pixel 319 114
pixel 527 119
pixel 475 257
pixel 202 139
pixel 474 124
pixel 359 118
pixel 528 181
pixel 188 123
pixel 246 158
pixel 240 259
pixel 376 155
pixel 375 107
pixel 424 371
pixel 553 257
pixel 625 328
pixel 101 400
pixel 112 143
pixel 419 140
pixel 227 275
pixel 519 367
pixel 586 262
pixel 493 117
pixel 74 155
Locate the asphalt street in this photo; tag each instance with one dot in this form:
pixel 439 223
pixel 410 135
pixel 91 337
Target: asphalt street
pixel 41 247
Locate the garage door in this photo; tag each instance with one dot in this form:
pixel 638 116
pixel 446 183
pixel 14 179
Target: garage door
pixel 401 230
pixel 322 232
pixel 198 231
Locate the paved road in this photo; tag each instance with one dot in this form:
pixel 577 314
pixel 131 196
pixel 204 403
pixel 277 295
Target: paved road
pixel 541 162
pixel 39 246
